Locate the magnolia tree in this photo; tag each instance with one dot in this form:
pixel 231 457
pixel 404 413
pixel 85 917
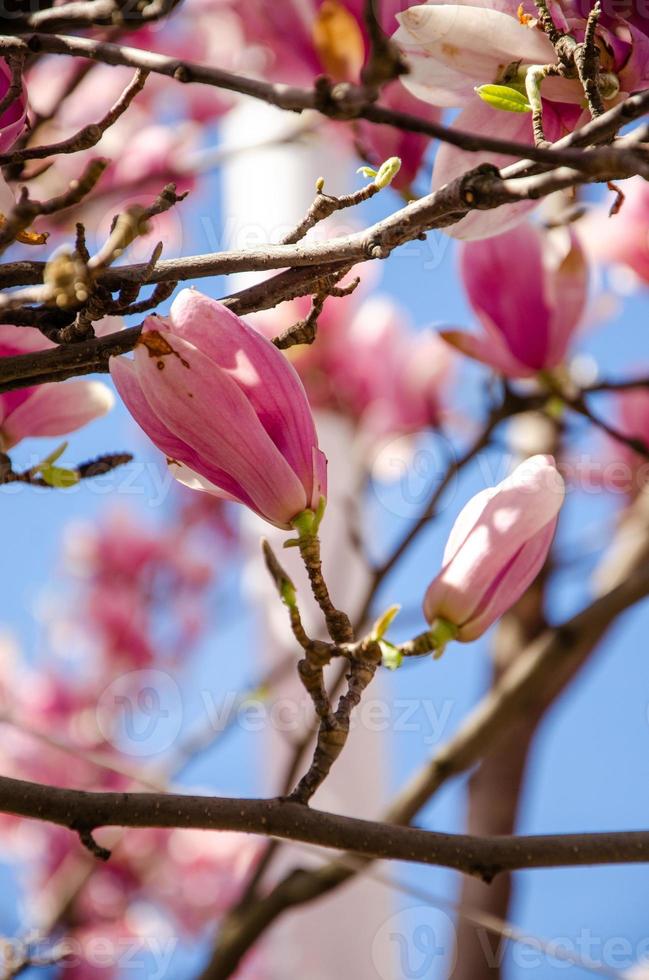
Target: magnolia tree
pixel 114 117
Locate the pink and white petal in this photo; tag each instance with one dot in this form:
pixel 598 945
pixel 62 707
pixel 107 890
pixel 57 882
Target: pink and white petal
pixel 56 409
pixel 513 582
pixel 452 162
pixel 177 451
pixel 269 382
pixel 464 46
pixel 207 410
pixel 431 81
pixel 22 340
pixel 489 350
pixel 466 521
pixel 14 118
pixel 509 7
pixel 194 481
pixel 635 74
pixel 524 503
pixel 108 325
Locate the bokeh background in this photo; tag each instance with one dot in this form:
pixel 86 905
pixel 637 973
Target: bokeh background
pixel 589 768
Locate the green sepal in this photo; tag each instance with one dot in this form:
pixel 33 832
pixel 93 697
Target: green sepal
pixel 441 633
pixel 307 523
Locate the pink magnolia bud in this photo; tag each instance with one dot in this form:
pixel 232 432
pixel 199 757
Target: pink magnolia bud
pixel 529 290
pixel 496 549
pixel 226 408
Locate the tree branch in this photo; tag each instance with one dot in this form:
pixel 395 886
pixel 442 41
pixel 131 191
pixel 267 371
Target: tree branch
pixel 343 102
pixel 552 654
pixel 84 812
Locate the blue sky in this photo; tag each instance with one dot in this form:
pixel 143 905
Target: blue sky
pixel 590 762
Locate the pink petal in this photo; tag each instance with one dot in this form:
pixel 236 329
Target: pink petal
pixel 207 409
pixel 452 48
pixel 451 162
pixel 566 287
pixel 515 304
pixel 513 582
pixel 14 118
pixel 270 383
pixel 180 456
pixel 466 521
pixel 319 478
pixel 56 409
pixel 489 350
pixel 494 532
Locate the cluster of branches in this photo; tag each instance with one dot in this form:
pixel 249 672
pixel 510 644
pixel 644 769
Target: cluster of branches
pixel 65 296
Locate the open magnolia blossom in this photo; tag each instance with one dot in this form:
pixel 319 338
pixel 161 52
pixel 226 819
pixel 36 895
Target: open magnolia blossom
pixel 529 323
pixel 49 409
pixel 226 408
pixel 495 550
pixel 454 49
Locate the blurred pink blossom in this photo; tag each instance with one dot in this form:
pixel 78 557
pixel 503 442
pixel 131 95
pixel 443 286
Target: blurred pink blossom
pixel 528 289
pixel 369 363
pixel 302 39
pixel 48 409
pixel 623 238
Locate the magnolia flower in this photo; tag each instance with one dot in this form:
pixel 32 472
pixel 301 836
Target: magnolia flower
pixel 496 549
pixel 50 409
pixel 528 289
pixel 225 407
pixel 453 49
pixel 14 118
